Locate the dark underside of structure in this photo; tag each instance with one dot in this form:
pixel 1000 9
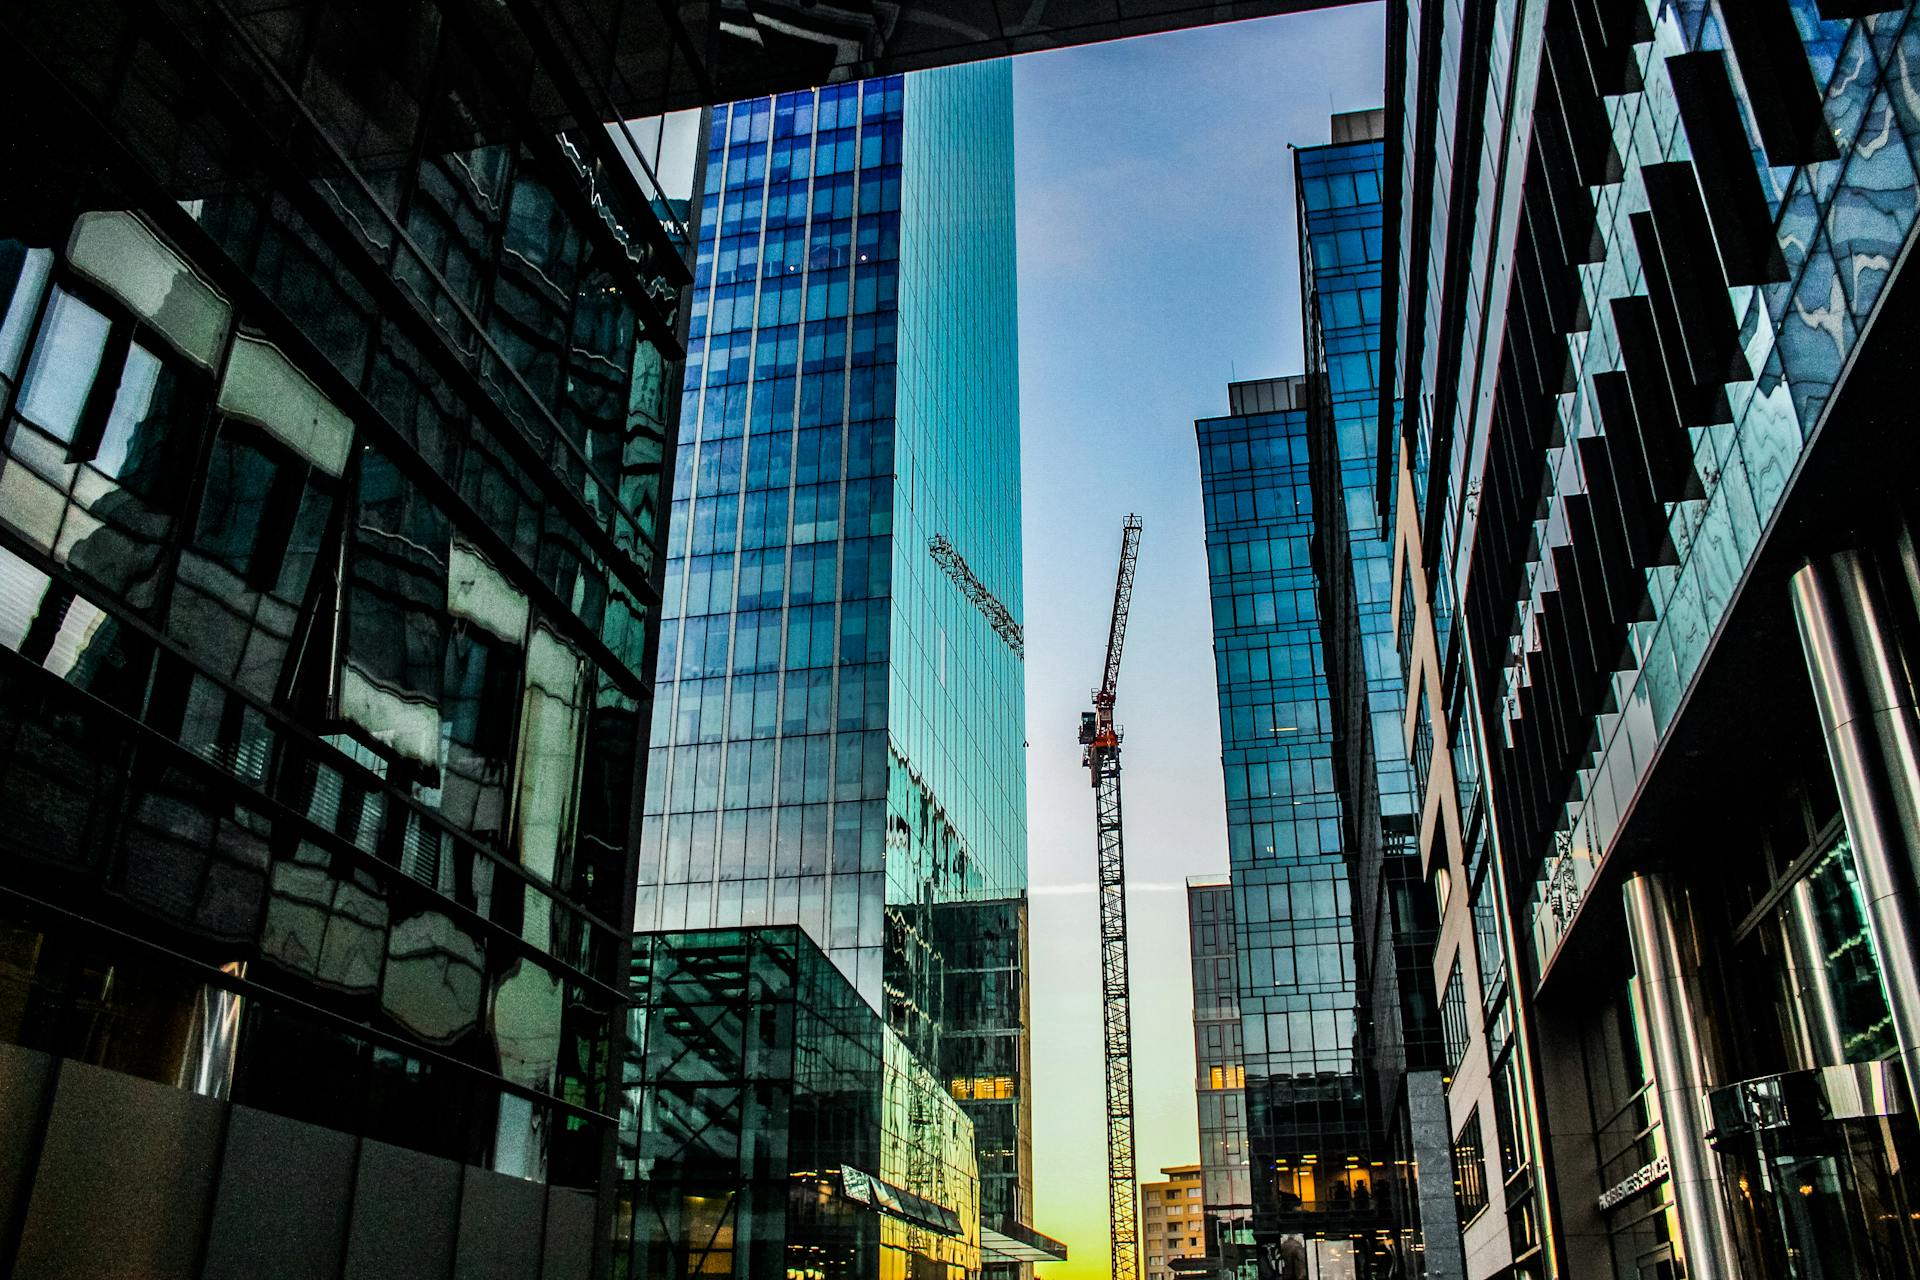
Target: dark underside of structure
pixel 1752 690
pixel 668 57
pixel 639 59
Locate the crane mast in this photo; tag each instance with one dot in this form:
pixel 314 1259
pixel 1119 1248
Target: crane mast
pixel 1101 740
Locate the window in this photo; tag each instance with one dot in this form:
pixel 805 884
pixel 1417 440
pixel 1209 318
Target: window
pixel 1422 744
pixel 1453 1019
pixel 264 521
pixel 23 279
pixel 1506 1118
pixel 985 1088
pixel 1486 941
pixel 1469 1170
pixel 1232 1076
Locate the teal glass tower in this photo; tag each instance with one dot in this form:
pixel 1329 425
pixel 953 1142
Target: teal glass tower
pixel 838 736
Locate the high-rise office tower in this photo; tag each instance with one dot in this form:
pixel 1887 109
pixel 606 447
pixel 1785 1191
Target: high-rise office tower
pixel 1650 264
pixel 1339 198
pixel 1220 1071
pixel 838 738
pixel 1320 1181
pixel 1345 1068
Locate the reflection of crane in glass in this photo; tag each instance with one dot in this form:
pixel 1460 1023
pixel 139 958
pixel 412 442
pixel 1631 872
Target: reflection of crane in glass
pixel 975 590
pixel 1102 758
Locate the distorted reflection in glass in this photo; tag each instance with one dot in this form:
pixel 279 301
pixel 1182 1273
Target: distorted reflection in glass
pixel 526 1034
pixel 262 526
pixel 396 615
pixel 434 978
pixel 479 687
pixel 327 927
pixel 98 447
pixel 551 721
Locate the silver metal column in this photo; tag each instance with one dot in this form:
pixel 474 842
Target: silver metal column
pixel 1680 1029
pixel 1867 711
pixel 1815 1005
pixel 213 1038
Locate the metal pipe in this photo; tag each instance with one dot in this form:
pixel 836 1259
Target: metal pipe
pixel 1868 715
pixel 1679 1029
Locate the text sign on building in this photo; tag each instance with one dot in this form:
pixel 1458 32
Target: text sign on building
pixel 1634 1183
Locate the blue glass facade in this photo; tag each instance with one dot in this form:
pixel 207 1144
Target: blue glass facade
pixel 850 395
pixel 1309 1133
pixel 1340 235
pixel 766 797
pixel 1346 1114
pixel 1395 922
pixel 838 739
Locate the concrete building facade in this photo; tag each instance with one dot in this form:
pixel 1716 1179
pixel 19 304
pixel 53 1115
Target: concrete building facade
pixel 1173 1219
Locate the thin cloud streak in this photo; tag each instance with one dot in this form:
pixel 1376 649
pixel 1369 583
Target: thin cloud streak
pixel 1085 887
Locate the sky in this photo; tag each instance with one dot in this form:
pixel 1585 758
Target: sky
pixel 1157 263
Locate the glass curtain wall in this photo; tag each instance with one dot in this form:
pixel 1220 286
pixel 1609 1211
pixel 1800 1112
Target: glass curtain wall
pixel 328 514
pixel 1821 1146
pixel 1340 234
pixel 1310 1133
pixel 766 796
pixel 1340 222
pixel 838 741
pixel 782 1129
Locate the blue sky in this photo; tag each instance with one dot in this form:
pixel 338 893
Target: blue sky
pixel 1157 263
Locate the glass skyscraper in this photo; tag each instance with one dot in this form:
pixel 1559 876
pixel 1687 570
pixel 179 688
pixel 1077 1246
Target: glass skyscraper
pixel 838 735
pixel 1344 1066
pixel 1318 1177
pixel 1338 189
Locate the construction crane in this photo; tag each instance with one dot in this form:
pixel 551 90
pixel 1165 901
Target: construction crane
pixel 1101 740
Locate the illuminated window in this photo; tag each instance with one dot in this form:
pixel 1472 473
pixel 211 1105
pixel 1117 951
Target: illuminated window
pixel 982 1088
